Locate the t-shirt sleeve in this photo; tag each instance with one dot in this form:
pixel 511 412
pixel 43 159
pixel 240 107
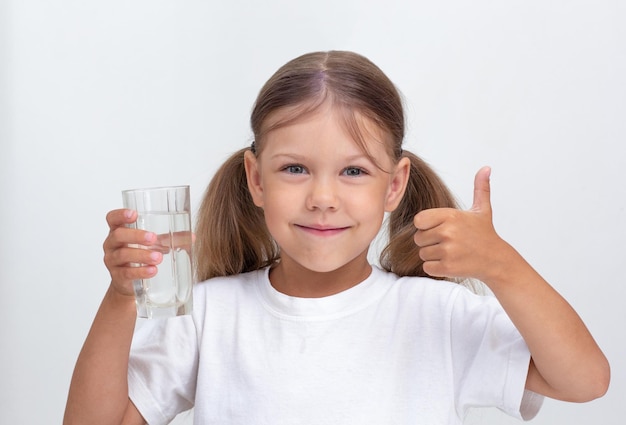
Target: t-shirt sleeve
pixel 490 358
pixel 162 369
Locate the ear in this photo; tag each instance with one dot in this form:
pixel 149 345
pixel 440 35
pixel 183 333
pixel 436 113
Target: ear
pixel 253 176
pixel 397 184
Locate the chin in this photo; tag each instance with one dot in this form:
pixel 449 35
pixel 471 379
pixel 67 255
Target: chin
pixel 326 266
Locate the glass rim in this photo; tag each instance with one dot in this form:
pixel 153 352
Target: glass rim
pixel 156 189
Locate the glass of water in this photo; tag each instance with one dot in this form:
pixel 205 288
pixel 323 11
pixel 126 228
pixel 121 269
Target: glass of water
pixel 164 211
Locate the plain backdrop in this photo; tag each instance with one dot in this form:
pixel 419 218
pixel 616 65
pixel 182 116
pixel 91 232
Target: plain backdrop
pixel 96 97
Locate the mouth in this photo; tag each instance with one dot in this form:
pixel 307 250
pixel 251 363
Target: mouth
pixel 319 230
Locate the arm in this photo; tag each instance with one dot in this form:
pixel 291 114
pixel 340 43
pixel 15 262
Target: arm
pixel 99 389
pixel 567 364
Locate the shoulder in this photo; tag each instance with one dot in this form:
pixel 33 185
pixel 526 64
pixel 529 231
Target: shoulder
pixel 430 292
pixel 420 286
pixel 226 291
pixel 230 283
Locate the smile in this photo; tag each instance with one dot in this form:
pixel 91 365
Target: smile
pixel 321 230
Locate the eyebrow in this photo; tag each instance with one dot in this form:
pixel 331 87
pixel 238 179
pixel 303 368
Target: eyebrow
pixel 297 157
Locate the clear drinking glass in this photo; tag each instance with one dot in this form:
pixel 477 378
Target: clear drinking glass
pixel 164 211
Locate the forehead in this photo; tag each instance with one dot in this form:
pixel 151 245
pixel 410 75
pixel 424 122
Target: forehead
pixel 329 132
pixel 364 131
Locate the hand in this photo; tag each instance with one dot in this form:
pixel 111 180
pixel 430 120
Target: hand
pixel 463 244
pixel 121 259
pixel 177 240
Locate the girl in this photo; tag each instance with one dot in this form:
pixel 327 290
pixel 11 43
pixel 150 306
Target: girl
pixel 292 325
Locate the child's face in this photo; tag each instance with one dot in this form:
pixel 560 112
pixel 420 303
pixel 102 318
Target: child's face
pixel 323 198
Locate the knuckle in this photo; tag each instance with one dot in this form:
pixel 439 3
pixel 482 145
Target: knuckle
pixel 113 218
pixel 429 269
pixel 447 251
pixel 108 243
pixel 129 273
pixel 454 214
pixel 444 268
pixel 449 233
pixel 117 232
pixel 445 233
pixel 417 221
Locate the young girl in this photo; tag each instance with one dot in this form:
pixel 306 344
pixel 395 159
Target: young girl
pixel 292 325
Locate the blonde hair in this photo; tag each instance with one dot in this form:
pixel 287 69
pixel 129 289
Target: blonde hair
pixel 231 235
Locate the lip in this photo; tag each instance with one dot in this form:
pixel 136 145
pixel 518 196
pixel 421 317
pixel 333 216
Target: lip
pixel 321 230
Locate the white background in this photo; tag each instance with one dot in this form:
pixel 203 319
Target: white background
pixel 96 97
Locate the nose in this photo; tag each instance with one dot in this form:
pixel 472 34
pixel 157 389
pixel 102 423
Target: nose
pixel 323 194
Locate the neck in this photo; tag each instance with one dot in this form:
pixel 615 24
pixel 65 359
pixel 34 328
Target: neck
pixel 294 280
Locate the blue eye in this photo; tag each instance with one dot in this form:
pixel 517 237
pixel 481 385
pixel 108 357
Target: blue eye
pixel 354 172
pixel 295 169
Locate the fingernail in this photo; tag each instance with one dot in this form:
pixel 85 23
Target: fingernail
pixel 151 270
pixel 155 256
pixel 150 237
pixel 128 213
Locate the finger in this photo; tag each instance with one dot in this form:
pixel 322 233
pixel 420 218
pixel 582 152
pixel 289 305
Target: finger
pixel 121 236
pixel 482 190
pixel 424 238
pixel 431 218
pixel 128 274
pixel 124 257
pixel 121 217
pixel 432 263
pixel 128 264
pixel 182 239
pixel 434 269
pixel 430 253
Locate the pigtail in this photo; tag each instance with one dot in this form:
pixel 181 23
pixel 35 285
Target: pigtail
pixel 424 190
pixel 231 235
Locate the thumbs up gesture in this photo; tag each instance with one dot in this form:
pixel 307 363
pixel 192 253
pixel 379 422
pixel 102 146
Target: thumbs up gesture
pixel 462 244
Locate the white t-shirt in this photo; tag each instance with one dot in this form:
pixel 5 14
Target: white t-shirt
pixel 388 351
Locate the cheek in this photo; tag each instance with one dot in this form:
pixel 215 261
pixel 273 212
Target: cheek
pixel 369 208
pixel 279 198
pixel 279 206
pixel 370 198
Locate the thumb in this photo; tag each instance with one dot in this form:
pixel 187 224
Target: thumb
pixel 482 191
